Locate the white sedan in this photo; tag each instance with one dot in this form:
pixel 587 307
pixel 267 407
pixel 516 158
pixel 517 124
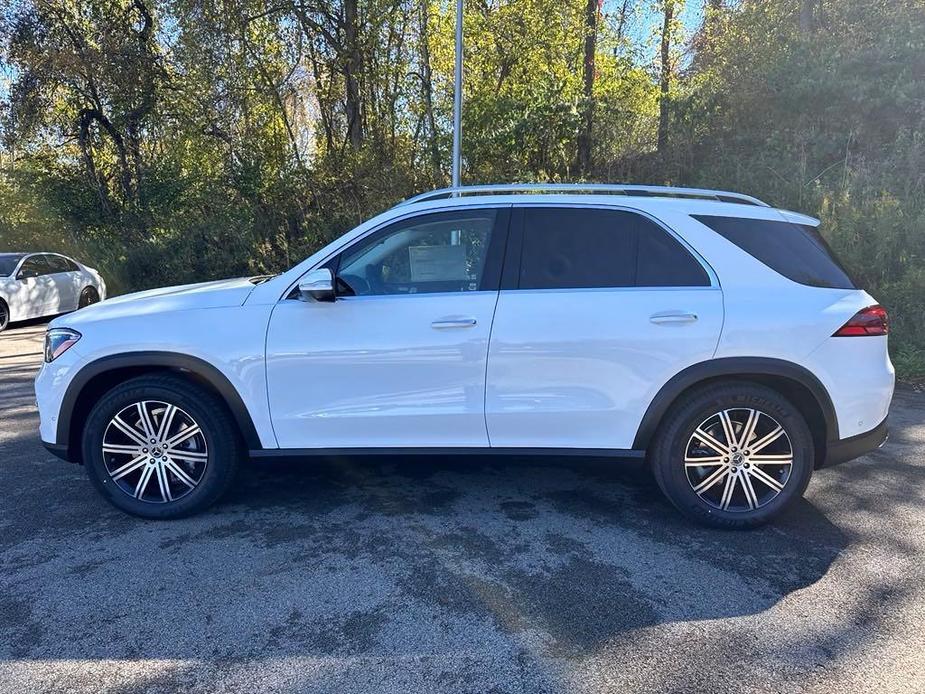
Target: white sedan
pixel 33 285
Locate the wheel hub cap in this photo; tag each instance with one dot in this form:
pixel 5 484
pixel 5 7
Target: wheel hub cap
pixel 155 452
pixel 738 459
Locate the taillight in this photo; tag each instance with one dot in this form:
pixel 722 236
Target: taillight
pixel 873 320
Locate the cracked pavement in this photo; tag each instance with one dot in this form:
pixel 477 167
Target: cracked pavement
pixel 455 575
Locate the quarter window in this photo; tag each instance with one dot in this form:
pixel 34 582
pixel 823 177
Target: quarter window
pixel 444 252
pixel 796 251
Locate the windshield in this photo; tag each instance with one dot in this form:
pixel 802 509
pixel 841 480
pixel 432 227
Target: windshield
pixel 8 263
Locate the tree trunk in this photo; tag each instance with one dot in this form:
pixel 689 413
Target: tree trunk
pixel 427 87
pixel 665 81
pixel 585 137
pixel 352 66
pixel 807 16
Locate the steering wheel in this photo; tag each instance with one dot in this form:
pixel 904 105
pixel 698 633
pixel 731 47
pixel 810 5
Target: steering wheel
pixel 374 279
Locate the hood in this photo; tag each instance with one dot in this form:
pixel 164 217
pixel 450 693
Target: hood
pixel 182 298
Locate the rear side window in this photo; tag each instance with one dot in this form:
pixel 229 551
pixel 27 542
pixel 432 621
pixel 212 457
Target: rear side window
pixel 579 248
pixel 57 263
pixel 571 248
pixel 663 261
pixel 796 251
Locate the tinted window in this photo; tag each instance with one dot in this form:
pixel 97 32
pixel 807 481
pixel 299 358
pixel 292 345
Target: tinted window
pixel 664 262
pixel 585 248
pixel 58 264
pixel 433 253
pixel 572 248
pixel 8 263
pixel 33 266
pixel 796 251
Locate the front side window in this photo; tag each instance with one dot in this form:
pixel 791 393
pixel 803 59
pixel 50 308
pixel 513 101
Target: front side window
pixel 444 252
pixel 34 266
pixel 582 248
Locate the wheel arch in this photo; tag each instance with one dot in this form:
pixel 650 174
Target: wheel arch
pixel 793 381
pixel 96 378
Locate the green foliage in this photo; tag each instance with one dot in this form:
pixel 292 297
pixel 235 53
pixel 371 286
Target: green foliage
pixel 170 141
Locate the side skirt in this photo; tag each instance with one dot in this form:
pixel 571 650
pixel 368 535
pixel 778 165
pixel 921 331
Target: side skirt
pixel 621 454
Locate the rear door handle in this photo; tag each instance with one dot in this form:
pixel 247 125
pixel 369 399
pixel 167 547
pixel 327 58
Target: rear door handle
pixel 454 322
pixel 672 318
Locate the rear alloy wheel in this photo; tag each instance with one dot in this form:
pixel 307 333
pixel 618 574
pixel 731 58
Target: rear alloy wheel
pixel 161 447
pixel 87 297
pixel 738 459
pixel 733 456
pixel 4 316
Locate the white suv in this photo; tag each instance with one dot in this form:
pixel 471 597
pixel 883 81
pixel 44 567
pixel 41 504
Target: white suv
pixel 711 334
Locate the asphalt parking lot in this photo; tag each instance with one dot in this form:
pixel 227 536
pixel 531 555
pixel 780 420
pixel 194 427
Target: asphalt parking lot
pixel 455 575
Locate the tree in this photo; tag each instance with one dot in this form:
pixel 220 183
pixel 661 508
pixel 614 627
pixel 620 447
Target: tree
pixel 668 8
pixel 590 48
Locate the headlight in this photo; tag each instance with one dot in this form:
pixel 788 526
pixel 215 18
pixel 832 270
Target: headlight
pixel 58 341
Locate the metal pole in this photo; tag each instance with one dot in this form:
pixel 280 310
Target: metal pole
pixel 457 94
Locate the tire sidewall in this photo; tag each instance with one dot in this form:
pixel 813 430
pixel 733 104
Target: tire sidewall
pixel 4 322
pixel 207 413
pixel 672 475
pixel 88 292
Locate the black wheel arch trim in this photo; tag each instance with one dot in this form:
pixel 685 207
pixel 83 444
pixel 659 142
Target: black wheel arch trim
pixel 741 367
pixel 170 360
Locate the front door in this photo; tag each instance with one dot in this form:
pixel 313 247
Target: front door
pixel 598 309
pixel 398 359
pixel 34 294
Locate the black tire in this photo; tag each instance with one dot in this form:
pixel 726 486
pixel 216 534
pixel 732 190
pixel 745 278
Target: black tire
pixel 4 316
pixel 676 439
pixel 222 441
pixel 88 296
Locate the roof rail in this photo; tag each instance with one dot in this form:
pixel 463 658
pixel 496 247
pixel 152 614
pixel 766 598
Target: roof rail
pixel 597 188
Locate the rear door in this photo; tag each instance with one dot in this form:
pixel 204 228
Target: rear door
pixel 64 279
pixel 598 309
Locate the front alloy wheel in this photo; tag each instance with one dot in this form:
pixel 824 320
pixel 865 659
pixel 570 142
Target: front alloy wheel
pixel 155 452
pixel 161 446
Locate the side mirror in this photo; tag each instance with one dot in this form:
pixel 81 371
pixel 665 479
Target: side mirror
pixel 318 285
pixel 27 274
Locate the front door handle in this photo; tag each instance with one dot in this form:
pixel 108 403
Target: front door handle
pixel 672 318
pixel 453 322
